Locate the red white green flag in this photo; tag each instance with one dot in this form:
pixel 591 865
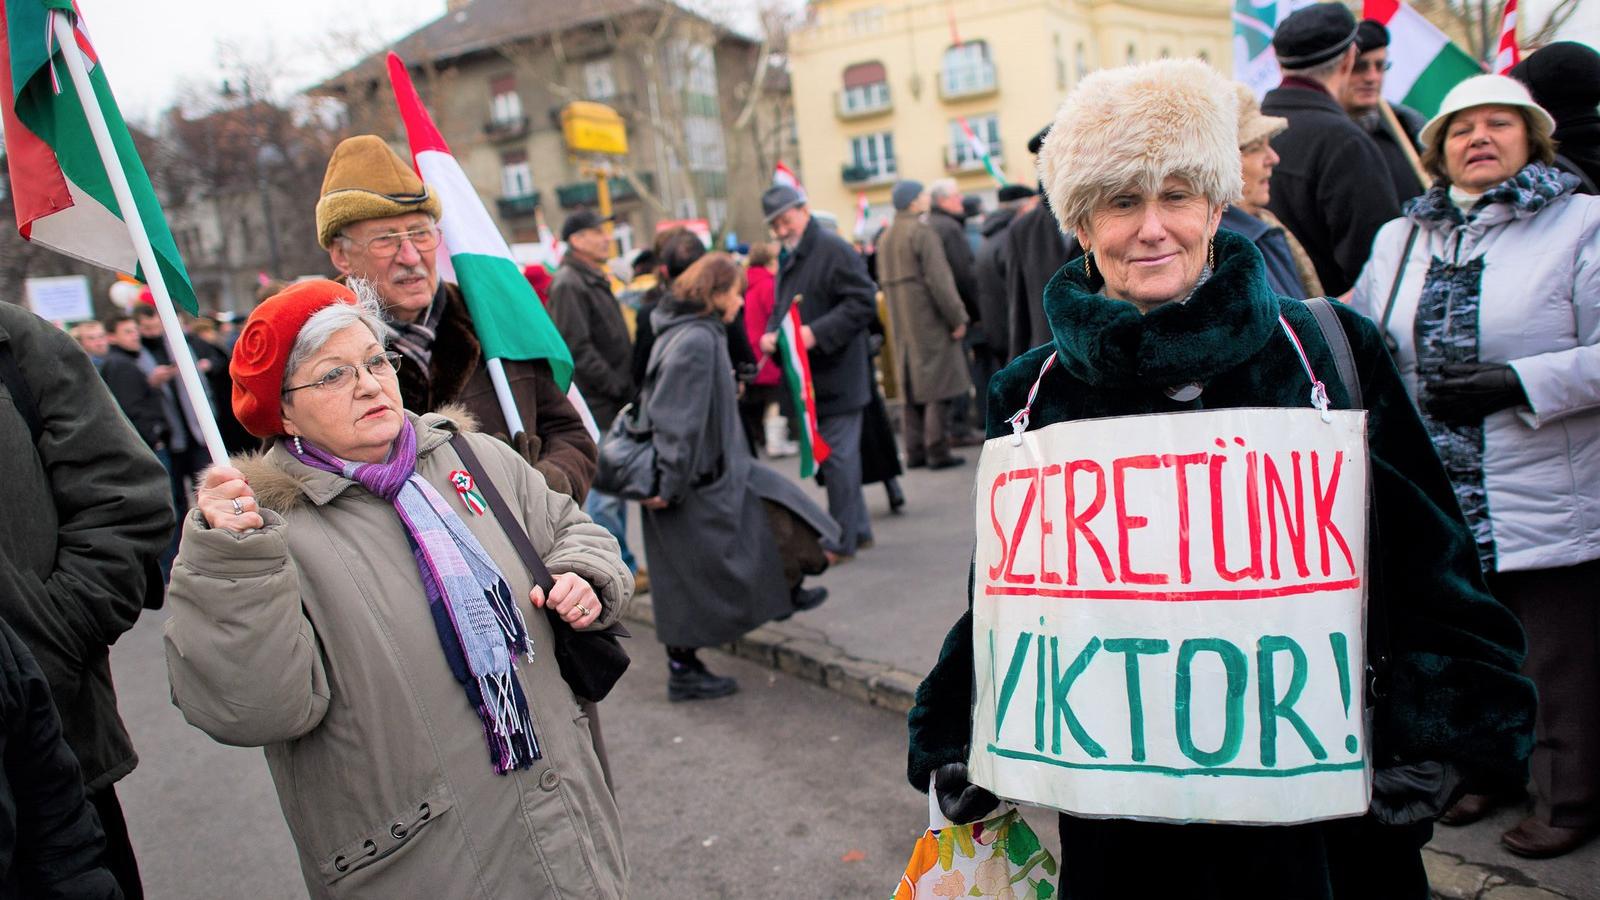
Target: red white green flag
pixel 507 314
pixel 796 366
pixel 63 196
pixel 1426 64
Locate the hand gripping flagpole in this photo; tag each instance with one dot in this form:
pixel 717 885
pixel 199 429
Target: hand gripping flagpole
pixel 61 26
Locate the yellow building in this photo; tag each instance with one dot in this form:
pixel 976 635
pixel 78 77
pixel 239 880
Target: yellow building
pixel 881 86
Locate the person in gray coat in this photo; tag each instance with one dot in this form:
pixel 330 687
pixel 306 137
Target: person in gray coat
pixel 729 539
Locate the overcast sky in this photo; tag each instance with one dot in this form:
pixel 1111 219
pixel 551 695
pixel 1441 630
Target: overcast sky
pixel 153 48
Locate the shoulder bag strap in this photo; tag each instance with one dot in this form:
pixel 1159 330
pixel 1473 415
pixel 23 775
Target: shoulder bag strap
pixel 502 514
pixel 1399 276
pixel 21 397
pixel 1338 342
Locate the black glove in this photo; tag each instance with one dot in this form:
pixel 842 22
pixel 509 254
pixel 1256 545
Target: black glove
pixel 1463 393
pixel 960 800
pixel 1414 792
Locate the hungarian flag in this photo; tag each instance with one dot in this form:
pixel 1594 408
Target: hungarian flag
pixel 1426 65
pixel 782 174
pixel 509 319
pixel 59 183
pixel 1508 55
pixel 797 374
pixel 980 149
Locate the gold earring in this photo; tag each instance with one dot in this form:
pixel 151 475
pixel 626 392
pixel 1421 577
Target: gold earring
pixel 1087 274
pixel 1211 253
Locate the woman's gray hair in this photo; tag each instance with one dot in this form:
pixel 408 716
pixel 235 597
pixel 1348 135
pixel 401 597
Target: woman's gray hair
pixel 334 318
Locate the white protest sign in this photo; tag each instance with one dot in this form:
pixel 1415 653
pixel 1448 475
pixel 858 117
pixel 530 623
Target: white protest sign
pixel 60 299
pixel 1168 614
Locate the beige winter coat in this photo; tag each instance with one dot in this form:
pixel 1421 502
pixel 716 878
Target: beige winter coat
pixel 312 638
pixel 924 308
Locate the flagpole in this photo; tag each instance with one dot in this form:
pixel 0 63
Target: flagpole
pixel 1404 140
pixel 61 26
pixel 502 392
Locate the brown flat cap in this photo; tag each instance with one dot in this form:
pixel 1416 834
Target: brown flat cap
pixel 367 180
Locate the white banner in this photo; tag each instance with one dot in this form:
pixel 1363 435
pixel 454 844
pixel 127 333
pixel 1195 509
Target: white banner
pixel 1168 617
pixel 63 298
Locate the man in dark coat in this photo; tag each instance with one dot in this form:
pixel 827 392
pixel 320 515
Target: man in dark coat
pixel 991 266
pixel 88 511
pixel 1564 78
pixel 51 843
pixel 590 320
pixel 377 220
pixel 1362 97
pixel 947 214
pixel 1037 247
pixel 139 401
pixel 1330 187
pixel 827 277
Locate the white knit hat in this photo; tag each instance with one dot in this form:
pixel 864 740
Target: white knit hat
pixel 1487 90
pixel 1136 125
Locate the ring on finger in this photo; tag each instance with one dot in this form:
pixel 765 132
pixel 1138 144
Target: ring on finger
pixel 583 610
pixel 237 509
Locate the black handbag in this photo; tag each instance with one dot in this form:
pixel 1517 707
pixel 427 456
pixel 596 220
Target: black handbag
pixel 591 662
pixel 627 464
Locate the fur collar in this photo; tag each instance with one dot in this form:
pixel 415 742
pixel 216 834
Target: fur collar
pixel 283 483
pixel 1106 342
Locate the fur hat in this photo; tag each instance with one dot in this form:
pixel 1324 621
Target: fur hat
pixel 262 351
pixel 367 180
pixel 1136 125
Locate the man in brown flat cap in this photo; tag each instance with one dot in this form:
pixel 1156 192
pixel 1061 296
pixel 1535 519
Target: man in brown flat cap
pixel 379 222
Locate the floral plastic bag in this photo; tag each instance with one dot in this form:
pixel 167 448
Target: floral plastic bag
pixel 998 857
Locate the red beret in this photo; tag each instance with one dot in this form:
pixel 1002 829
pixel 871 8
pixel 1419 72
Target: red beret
pixel 263 348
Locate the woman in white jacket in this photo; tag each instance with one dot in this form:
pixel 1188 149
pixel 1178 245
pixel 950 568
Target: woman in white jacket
pixel 1488 289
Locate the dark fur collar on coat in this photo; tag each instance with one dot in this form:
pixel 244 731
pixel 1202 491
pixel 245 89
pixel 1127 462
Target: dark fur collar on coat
pixel 282 483
pixel 1108 342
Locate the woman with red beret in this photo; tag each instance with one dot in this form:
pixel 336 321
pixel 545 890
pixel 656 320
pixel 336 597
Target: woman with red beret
pixel 345 601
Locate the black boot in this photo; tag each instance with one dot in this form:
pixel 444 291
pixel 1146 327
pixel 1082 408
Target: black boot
pixel 897 497
pixel 688 679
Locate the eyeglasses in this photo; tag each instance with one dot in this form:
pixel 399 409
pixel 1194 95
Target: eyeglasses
pixel 384 246
pixel 341 377
pixel 1364 66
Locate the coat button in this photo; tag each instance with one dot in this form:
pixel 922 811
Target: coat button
pixel 549 779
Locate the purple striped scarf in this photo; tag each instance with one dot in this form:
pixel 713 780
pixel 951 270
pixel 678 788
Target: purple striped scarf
pixel 480 628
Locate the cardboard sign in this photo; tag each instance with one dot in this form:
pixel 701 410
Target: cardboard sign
pixel 1168 615
pixel 63 298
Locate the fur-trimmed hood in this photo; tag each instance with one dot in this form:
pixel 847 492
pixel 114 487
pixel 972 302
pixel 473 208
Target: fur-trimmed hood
pixel 282 483
pixel 1135 125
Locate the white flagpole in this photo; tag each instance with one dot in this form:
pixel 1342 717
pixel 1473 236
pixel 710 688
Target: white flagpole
pixel 502 392
pixel 61 25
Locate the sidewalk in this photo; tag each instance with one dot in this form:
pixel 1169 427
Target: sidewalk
pixel 890 609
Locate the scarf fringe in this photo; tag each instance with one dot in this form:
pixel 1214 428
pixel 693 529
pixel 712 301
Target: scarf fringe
pixel 507 724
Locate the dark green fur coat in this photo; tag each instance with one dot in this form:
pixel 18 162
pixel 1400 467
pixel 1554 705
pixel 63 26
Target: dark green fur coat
pixel 1449 684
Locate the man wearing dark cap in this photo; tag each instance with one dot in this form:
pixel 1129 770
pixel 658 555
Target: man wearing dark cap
pixel 1331 186
pixel 379 222
pixel 1362 99
pixel 590 320
pixel 828 278
pixel 1037 248
pixel 990 267
pixel 1564 78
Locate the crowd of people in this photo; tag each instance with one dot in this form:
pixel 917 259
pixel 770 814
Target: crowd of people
pixel 384 541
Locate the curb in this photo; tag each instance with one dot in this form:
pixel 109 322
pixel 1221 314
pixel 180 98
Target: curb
pixel 807 654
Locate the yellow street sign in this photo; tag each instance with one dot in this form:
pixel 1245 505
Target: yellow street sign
pixel 593 128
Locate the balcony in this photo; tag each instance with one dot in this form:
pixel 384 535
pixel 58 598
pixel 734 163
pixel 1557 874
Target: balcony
pixel 966 81
pixel 587 193
pixel 959 158
pixel 862 102
pixel 853 174
pixel 518 207
pixel 506 129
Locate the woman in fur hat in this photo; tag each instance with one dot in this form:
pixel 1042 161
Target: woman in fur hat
pixel 1166 313
pixel 343 601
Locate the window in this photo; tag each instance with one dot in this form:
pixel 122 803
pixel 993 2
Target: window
pixel 703 139
pixel 1061 64
pixel 598 81
pixel 1081 65
pixel 691 67
pixel 962 153
pixel 516 176
pixel 967 69
pixel 866 88
pixel 1133 54
pixel 505 106
pixel 873 154
pixel 865 21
